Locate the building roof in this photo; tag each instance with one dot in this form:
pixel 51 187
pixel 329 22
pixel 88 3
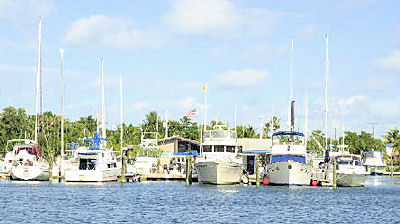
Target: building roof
pixel 180 139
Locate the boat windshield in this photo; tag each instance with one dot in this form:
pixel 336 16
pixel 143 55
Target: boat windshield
pixel 87 164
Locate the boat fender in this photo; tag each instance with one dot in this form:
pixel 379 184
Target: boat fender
pixel 314 183
pixel 245 179
pixel 265 180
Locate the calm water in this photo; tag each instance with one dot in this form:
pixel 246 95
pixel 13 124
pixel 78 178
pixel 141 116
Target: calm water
pixel 172 202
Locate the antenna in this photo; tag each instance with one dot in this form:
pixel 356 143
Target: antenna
pixel 373 128
pixel 38 80
pixel 326 91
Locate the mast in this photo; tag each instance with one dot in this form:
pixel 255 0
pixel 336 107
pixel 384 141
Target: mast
pixel 166 124
pixel 38 80
pixel 235 119
pixel 261 127
pixel 292 115
pixel 121 111
pixel 306 125
pixel 326 91
pixel 62 106
pixel 103 106
pixel 291 70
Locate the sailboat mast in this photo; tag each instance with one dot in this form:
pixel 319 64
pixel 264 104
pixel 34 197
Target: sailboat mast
pixel 62 103
pixel 103 106
pixel 326 91
pixel 306 125
pixel 291 71
pixel 38 80
pixel 121 111
pixel 235 119
pixel 166 124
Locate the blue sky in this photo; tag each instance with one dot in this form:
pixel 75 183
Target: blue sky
pixel 166 50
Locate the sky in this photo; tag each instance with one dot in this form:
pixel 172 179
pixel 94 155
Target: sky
pixel 166 50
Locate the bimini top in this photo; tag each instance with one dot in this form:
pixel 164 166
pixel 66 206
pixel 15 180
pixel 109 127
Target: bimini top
pixel 96 141
pixel 288 133
pixel 194 153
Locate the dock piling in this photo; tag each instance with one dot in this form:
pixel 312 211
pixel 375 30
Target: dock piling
pixel 334 181
pixel 189 170
pixel 257 170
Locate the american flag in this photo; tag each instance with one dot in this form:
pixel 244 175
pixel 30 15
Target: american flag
pixel 191 113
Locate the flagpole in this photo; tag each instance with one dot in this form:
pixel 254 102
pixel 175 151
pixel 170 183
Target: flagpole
pixel 205 107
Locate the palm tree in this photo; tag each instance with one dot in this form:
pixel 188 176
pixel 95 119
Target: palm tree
pixel 393 136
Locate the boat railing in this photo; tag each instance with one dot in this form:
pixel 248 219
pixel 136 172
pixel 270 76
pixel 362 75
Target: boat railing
pixel 219 135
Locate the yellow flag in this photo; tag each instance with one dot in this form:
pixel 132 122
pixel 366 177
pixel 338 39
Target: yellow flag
pixel 204 88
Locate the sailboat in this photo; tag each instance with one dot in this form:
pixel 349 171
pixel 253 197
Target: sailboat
pixel 349 169
pixel 93 161
pixel 288 163
pixel 26 158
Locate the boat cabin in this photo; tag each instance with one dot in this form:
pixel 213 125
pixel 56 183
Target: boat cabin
pixel 219 141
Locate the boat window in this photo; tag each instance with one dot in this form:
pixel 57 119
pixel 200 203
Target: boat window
pixel 206 148
pixel 218 148
pixel 109 165
pixel 230 149
pixel 102 154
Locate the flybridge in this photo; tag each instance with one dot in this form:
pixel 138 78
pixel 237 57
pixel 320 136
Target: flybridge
pixel 96 141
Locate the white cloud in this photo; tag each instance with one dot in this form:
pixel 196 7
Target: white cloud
pixel 204 17
pixel 140 105
pixel 242 78
pixel 390 63
pixel 351 100
pixel 109 32
pixel 201 16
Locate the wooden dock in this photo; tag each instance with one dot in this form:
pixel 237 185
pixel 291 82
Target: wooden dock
pixel 158 177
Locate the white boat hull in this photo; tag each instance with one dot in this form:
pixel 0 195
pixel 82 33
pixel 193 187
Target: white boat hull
pixel 219 172
pixel 351 179
pixel 289 173
pixel 376 170
pixel 35 173
pixel 92 175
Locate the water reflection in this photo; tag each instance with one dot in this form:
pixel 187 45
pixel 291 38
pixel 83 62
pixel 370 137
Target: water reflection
pixel 222 188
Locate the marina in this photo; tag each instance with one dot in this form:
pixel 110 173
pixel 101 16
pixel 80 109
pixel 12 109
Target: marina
pixel 183 111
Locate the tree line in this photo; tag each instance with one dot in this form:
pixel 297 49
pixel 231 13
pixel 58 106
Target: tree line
pixel 16 123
